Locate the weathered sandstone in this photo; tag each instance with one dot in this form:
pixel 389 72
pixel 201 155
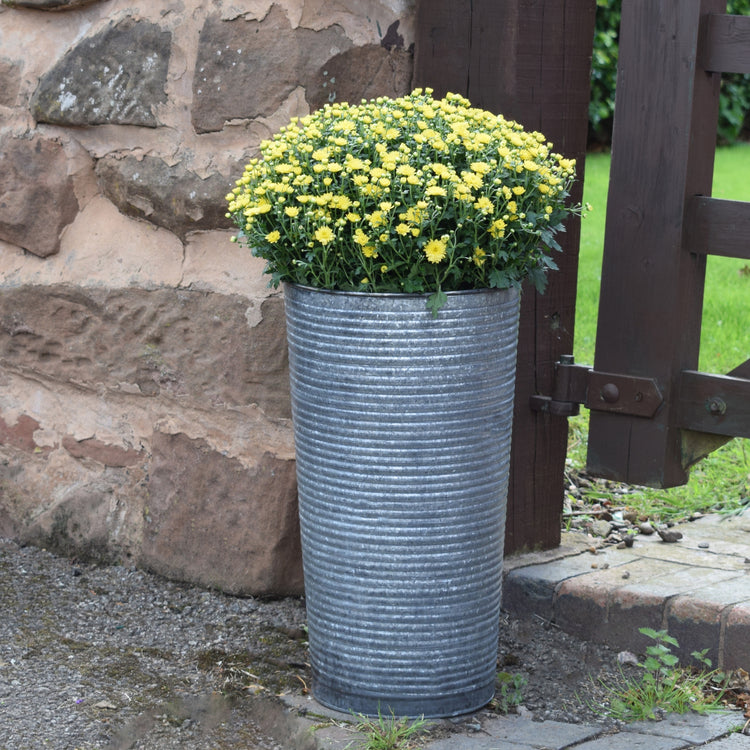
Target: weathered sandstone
pixel 144 405
pixel 115 76
pixel 36 193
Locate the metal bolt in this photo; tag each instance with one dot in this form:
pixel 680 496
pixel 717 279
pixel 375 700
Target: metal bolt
pixel 717 406
pixel 610 393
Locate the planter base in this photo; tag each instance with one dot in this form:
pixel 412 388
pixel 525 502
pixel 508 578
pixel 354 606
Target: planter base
pixel 434 707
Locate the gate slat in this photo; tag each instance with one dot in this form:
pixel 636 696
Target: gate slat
pixel 726 44
pixel 652 290
pixel 716 404
pixel 718 227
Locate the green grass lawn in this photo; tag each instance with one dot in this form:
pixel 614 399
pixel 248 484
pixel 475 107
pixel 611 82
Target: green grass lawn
pixel 721 481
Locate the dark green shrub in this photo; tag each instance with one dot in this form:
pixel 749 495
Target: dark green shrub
pixel 735 87
pixel 604 70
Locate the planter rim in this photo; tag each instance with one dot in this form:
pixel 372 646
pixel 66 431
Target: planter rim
pixel 405 295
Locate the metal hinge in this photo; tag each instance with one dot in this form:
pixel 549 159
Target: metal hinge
pixel 600 391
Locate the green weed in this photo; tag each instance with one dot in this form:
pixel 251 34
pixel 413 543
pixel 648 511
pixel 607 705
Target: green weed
pixel 665 687
pixel 387 732
pixel 510 691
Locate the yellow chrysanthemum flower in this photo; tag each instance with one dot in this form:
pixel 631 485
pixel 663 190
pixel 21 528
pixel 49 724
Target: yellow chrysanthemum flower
pixel 324 235
pixel 341 202
pixel 497 229
pixel 360 237
pixel 377 219
pixel 435 250
pixel 273 237
pixel 484 204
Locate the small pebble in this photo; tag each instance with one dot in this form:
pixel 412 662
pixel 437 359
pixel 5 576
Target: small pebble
pixel 601 528
pixel 627 657
pixel 703 545
pixel 646 528
pixel 668 535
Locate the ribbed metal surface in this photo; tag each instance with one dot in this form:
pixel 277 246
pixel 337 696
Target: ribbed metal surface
pixel 402 428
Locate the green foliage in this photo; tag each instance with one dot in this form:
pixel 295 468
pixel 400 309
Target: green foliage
pixel 735 87
pixel 604 69
pixel 510 691
pixel 664 686
pixel 386 732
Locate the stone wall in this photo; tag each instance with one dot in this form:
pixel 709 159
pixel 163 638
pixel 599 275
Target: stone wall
pixel 144 409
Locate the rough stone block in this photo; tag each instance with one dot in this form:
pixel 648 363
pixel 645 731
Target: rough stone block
pixel 362 73
pixel 116 76
pixel 265 60
pixel 196 347
pixel 10 81
pixel 169 196
pixel 215 522
pixel 81 522
pixel 36 193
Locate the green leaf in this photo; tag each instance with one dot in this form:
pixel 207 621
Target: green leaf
pixel 499 279
pixel 435 301
pixel 653 665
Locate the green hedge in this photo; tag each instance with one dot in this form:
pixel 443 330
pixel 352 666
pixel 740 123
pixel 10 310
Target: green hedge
pixel 735 88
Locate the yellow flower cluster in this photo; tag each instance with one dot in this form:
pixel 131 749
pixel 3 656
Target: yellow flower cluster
pixel 408 195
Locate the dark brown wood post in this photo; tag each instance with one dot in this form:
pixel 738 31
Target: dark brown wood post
pixel 530 61
pixel 652 287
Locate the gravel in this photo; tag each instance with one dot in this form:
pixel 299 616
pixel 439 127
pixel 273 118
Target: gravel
pixel 111 657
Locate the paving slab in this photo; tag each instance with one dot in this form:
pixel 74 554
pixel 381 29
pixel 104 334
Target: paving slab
pixel 633 741
pixel 692 727
pixel 732 742
pixel 519 732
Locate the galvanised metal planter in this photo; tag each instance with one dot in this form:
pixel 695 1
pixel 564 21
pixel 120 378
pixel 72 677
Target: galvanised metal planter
pixel 402 425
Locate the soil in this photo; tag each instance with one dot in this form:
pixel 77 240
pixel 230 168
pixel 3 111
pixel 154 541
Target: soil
pixel 110 657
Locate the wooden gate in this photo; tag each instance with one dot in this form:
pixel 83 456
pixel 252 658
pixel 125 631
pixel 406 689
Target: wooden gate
pixel 652 413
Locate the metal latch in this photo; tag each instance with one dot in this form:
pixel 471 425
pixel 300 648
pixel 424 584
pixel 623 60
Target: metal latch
pixel 600 391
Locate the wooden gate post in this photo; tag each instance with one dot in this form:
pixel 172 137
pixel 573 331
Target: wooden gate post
pixel 529 60
pixel 652 287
